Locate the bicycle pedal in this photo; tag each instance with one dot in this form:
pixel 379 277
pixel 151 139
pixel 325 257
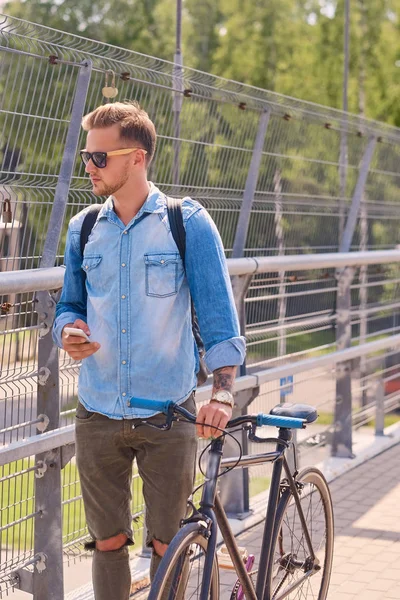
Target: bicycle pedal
pixel 224 559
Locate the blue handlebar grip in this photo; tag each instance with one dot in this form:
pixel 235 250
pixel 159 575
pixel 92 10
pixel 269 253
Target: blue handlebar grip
pixel 154 405
pixel 275 421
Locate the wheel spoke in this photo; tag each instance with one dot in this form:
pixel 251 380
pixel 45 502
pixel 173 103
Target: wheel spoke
pixel 291 555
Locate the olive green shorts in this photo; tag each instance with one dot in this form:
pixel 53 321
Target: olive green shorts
pixel 105 450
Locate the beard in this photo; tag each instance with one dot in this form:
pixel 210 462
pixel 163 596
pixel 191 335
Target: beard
pixel 108 189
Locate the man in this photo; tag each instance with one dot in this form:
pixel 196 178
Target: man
pixel 131 294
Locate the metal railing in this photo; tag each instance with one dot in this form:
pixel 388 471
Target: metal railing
pixel 39 483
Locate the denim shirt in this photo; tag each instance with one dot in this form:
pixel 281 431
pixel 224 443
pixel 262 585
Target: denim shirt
pixel 136 301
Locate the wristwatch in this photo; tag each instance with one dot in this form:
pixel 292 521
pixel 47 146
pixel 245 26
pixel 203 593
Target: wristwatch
pixel 224 397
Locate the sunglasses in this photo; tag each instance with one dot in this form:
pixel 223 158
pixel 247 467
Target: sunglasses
pixel 99 159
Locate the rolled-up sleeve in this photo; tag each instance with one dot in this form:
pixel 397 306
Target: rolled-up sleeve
pixel 72 303
pixel 211 290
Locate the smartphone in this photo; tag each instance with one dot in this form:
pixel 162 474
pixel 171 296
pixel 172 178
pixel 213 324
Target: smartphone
pixel 77 332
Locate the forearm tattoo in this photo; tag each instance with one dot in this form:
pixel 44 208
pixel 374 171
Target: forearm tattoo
pixel 224 378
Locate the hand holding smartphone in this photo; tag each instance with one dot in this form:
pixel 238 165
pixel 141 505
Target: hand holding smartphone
pixel 77 332
pixel 76 342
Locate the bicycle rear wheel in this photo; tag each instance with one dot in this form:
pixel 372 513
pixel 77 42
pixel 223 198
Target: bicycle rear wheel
pixel 180 573
pixel 292 574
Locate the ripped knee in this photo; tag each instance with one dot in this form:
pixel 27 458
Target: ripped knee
pixel 114 543
pixel 159 547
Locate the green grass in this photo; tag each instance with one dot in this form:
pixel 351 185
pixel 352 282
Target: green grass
pixel 17 501
pixel 258 485
pixel 325 418
pixel 310 343
pixel 390 419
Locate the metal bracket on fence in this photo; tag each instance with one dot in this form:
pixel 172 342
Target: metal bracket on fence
pixel 66 454
pixel 22 578
pixel 43 375
pixel 49 461
pixel 42 424
pixel 41 468
pixel 46 308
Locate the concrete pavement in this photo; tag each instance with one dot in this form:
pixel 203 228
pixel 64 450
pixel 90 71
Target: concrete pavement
pixel 366 504
pixel 367 513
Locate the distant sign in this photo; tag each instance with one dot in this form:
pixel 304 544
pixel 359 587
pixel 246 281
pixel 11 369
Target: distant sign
pixel 288 383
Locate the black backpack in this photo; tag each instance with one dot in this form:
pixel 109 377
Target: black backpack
pixel 174 209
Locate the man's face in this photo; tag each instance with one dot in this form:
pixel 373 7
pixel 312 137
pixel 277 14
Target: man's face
pixel 118 170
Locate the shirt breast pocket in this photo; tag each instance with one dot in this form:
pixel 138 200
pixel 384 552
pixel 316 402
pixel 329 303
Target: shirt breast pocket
pixel 162 273
pixel 90 265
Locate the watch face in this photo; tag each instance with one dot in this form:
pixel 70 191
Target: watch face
pixel 224 395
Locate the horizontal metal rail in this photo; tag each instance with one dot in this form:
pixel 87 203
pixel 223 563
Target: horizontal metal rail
pixel 31 280
pixel 305 262
pixel 35 280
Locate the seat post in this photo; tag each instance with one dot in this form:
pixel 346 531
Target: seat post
pixel 285 435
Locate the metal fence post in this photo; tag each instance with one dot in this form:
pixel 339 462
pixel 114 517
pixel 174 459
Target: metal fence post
pixel 380 408
pixel 351 222
pixel 250 187
pixel 363 296
pixel 48 540
pixel 48 584
pixel 67 167
pixel 234 486
pixel 240 285
pixel 282 286
pixel 177 100
pixel 342 436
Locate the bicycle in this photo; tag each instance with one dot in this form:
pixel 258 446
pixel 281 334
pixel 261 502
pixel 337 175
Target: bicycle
pixel 297 544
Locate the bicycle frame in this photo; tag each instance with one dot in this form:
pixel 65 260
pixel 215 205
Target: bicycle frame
pixel 211 507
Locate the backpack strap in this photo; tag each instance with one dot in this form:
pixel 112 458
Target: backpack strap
pixel 174 209
pixel 88 224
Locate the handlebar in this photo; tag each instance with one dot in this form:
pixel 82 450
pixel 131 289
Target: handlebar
pixel 170 409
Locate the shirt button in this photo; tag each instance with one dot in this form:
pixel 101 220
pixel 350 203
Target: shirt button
pixel 162 261
pixel 123 296
pixel 125 232
pixel 124 362
pixel 123 265
pixel 124 393
pixel 86 267
pixel 124 331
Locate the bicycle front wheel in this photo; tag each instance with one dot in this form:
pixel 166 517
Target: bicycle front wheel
pixel 292 573
pixel 180 573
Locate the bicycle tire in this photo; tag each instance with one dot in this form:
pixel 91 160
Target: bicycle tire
pixel 188 584
pixel 289 552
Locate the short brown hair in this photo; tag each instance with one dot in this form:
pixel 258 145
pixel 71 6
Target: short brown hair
pixel 135 124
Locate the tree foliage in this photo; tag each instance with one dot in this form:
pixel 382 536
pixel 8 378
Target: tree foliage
pixel 293 47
